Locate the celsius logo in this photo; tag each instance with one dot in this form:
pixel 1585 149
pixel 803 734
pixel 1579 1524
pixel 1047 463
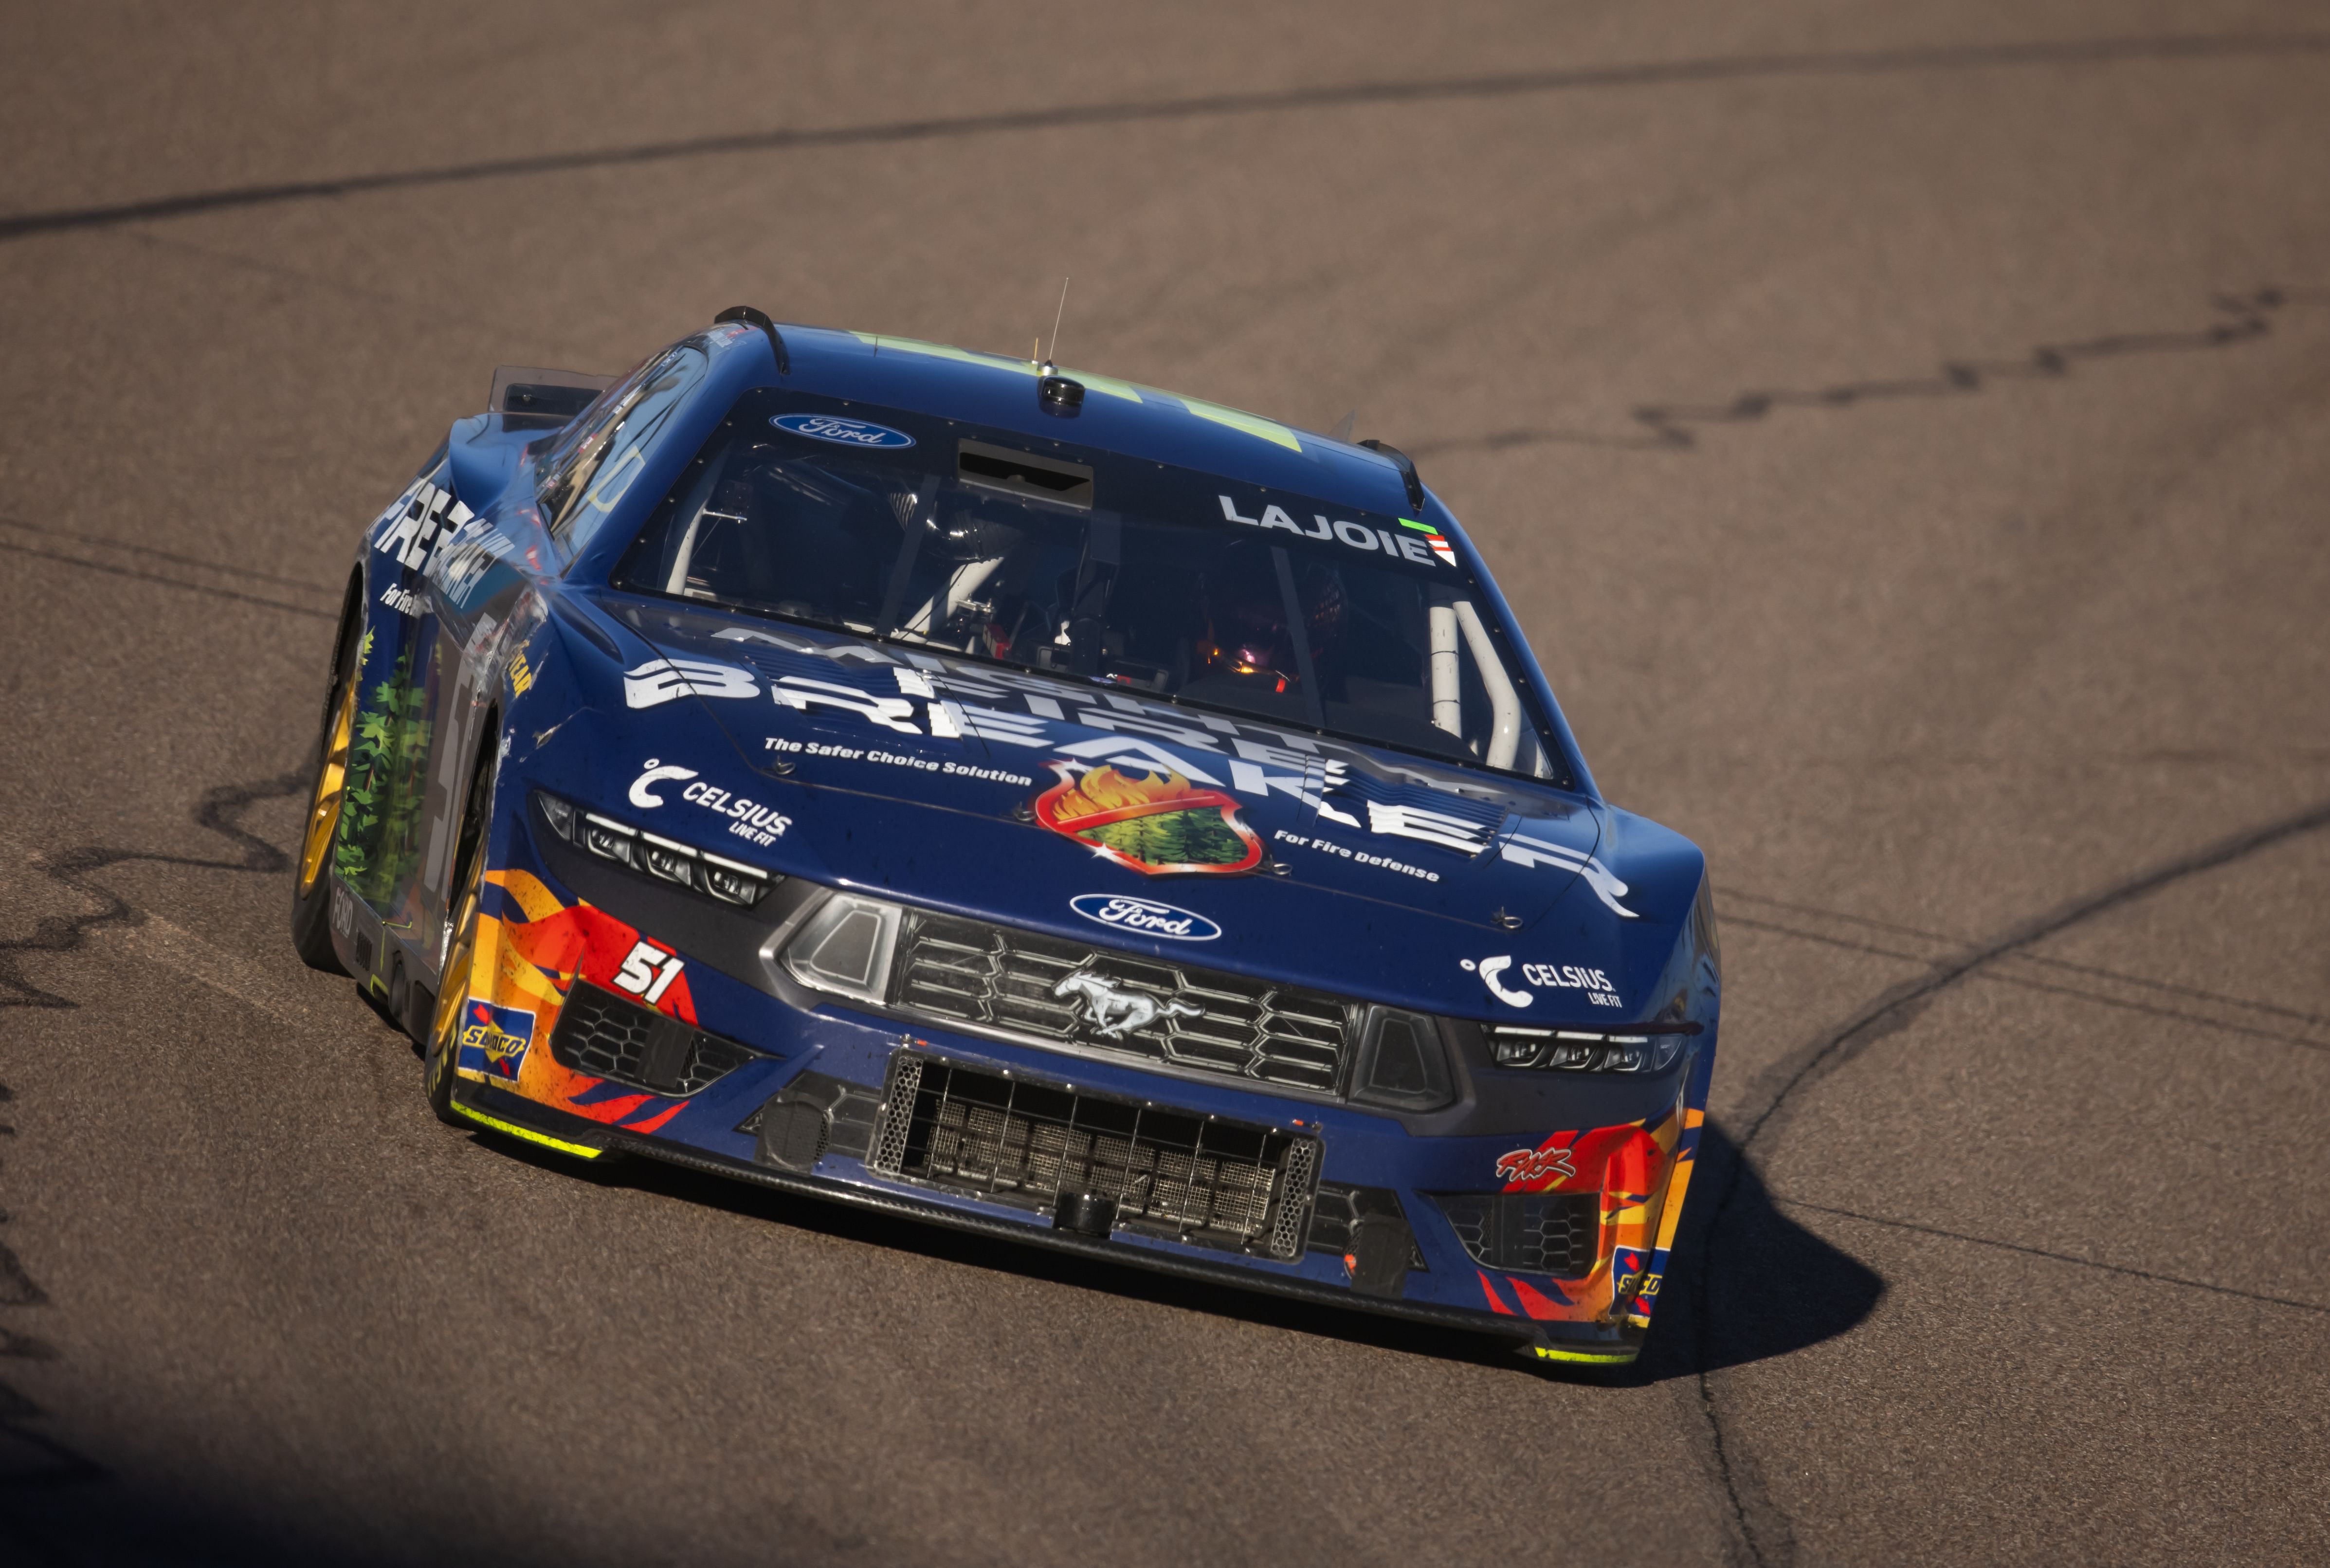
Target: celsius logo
pixel 1564 977
pixel 642 795
pixel 1488 969
pixel 842 432
pixel 1146 915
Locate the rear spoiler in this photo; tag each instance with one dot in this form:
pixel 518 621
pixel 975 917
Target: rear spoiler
pixel 545 397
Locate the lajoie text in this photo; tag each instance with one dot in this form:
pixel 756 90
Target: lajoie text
pixel 1418 542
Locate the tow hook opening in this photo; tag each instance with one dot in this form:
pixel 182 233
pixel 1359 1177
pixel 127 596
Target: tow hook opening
pixel 1087 1215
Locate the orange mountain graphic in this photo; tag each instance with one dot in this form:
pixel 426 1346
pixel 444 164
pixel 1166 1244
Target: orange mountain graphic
pixel 1104 789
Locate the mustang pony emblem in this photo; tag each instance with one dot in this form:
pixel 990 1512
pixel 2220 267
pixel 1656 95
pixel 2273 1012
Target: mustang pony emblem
pixel 1116 1013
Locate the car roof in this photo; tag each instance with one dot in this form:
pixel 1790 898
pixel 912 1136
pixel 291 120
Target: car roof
pixel 1117 416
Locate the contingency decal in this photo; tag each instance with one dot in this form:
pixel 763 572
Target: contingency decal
pixel 747 819
pixel 1159 824
pixel 1594 982
pixel 494 1040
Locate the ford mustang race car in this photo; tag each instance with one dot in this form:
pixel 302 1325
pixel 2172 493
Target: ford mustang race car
pixel 1021 800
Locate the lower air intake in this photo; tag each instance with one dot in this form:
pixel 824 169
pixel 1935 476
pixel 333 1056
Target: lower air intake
pixel 1189 1178
pixel 612 1037
pixel 1556 1233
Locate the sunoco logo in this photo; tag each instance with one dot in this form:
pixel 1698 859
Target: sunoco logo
pixel 842 432
pixel 1145 916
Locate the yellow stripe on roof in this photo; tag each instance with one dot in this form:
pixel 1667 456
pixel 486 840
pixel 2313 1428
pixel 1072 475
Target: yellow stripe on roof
pixel 1251 423
pixel 1100 383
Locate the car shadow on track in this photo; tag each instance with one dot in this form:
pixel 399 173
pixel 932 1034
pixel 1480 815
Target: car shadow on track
pixel 1747 1283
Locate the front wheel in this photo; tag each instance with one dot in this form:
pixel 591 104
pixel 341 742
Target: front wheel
pixel 443 1043
pixel 311 889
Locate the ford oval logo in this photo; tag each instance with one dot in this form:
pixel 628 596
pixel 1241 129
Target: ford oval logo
pixel 842 432
pixel 1145 916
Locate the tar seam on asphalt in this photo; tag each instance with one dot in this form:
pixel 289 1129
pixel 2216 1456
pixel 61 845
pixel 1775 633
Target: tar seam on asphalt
pixel 98 542
pixel 219 813
pixel 1891 1006
pixel 1950 942
pixel 1652 74
pixel 2054 1256
pixel 2150 1009
pixel 2249 318
pixel 166 582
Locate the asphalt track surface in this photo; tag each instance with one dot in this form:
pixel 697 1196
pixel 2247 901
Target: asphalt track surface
pixel 1901 428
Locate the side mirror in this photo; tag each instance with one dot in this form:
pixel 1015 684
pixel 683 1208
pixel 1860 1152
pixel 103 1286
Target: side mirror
pixel 546 399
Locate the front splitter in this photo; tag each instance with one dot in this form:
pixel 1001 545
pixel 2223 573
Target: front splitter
pixel 502 1112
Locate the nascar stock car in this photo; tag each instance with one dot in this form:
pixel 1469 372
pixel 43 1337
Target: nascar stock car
pixel 1019 800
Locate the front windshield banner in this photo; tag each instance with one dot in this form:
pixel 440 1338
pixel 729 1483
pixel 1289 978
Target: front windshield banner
pixel 1136 575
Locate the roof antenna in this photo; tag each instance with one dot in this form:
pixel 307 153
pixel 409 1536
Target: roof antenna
pixel 1343 426
pixel 1051 364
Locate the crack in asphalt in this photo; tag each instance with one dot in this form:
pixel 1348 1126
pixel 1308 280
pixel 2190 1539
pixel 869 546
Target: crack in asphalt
pixel 2056 1257
pixel 1649 73
pixel 2170 987
pixel 169 582
pixel 219 812
pixel 1893 1009
pixel 238 572
pixel 2025 983
pixel 2250 318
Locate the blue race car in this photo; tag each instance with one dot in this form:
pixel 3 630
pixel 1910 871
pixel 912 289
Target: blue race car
pixel 1020 799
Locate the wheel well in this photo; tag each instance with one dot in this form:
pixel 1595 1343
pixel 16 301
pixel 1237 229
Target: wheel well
pixel 474 822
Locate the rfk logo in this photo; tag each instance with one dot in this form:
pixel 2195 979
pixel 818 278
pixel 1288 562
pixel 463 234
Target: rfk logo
pixel 1536 1166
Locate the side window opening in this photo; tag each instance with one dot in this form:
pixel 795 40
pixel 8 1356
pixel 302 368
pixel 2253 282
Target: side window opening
pixel 593 464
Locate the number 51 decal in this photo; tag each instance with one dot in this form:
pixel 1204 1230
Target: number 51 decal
pixel 648 972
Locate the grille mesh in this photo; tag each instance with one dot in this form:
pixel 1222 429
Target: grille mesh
pixel 1197 1178
pixel 612 1037
pixel 991 977
pixel 1556 1233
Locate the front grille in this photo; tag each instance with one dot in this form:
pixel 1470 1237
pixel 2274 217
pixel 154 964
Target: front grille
pixel 1554 1233
pixel 1011 983
pixel 1189 1178
pixel 613 1037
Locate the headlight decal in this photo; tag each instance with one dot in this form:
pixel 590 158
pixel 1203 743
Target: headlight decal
pixel 665 859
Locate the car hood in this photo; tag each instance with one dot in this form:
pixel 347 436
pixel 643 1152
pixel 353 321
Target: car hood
pixel 1063 805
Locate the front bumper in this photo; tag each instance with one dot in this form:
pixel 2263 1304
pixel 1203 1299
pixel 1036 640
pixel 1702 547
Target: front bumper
pixel 510 1114
pixel 1390 1246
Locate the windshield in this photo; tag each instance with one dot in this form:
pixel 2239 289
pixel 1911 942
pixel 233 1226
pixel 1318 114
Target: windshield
pixel 1096 568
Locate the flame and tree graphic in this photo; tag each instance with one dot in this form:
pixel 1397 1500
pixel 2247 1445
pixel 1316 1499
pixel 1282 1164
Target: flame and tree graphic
pixel 1159 824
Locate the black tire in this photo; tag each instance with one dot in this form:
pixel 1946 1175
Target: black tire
pixel 311 882
pixel 438 1047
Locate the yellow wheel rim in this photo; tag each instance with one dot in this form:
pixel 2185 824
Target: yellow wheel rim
pixel 331 784
pixel 453 985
